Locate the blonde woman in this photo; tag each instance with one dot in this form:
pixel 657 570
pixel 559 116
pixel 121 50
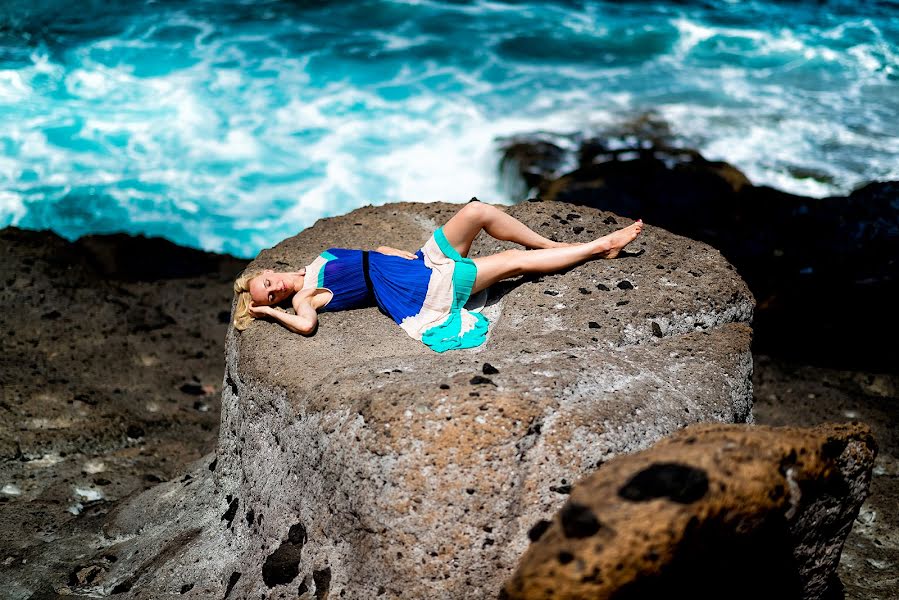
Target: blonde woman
pixel 425 292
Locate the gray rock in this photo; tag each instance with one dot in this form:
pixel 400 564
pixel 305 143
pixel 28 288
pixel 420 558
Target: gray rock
pixel 407 476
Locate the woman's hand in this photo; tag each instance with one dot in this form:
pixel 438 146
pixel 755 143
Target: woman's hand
pixel 394 252
pixel 259 311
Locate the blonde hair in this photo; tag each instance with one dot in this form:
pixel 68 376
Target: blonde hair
pixel 242 317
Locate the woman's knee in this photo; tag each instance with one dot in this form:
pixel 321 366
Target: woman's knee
pixel 481 212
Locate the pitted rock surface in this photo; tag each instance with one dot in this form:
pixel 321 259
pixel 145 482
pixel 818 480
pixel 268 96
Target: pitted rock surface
pixel 413 471
pixel 413 474
pixel 700 510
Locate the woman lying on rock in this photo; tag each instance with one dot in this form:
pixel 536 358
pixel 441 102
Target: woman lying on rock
pixel 425 292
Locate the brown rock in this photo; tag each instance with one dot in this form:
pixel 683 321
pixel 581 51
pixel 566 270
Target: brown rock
pixel 713 511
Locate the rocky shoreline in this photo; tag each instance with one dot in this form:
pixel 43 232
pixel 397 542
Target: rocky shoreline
pixel 112 372
pixel 823 271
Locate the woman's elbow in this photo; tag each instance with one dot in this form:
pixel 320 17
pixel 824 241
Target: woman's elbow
pixel 305 327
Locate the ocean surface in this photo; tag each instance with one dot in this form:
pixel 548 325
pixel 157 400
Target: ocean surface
pixel 229 125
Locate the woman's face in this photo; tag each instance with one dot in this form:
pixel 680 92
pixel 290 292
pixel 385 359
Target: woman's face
pixel 270 288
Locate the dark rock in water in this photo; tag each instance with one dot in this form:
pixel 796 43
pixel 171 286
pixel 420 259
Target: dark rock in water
pixel 531 161
pixel 707 506
pixel 806 260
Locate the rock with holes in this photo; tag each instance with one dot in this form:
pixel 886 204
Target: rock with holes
pixel 713 511
pixel 358 463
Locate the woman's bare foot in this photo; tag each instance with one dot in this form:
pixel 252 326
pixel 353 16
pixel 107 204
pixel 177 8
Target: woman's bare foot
pixel 610 245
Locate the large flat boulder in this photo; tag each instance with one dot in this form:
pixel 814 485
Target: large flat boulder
pixel 410 471
pixel 358 463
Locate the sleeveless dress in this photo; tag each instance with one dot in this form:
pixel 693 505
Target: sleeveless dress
pixel 425 296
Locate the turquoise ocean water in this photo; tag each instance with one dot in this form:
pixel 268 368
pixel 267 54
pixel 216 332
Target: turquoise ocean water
pixel 230 125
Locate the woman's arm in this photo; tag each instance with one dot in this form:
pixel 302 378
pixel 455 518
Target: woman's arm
pixel 304 322
pixel 394 252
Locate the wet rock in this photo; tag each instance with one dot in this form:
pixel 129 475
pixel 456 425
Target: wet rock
pixel 805 259
pixel 702 508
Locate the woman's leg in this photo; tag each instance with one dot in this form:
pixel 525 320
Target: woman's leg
pixel 513 263
pixel 465 225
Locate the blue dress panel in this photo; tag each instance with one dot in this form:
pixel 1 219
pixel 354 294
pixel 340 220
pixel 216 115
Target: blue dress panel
pixel 425 296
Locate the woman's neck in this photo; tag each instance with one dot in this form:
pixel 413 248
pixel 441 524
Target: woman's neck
pixel 298 280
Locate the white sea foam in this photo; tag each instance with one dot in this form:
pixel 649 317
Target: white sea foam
pixel 245 139
pixel 12 86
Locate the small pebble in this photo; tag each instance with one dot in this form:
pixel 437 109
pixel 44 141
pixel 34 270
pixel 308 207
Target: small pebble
pixel 11 489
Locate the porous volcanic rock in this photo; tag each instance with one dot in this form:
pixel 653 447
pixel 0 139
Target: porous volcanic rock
pixel 411 471
pixel 713 511
pixel 358 463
